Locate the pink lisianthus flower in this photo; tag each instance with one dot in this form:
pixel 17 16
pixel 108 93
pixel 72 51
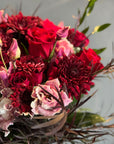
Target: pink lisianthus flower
pixel 6 114
pixel 2 18
pixel 4 74
pixel 43 103
pixel 63 32
pixel 14 51
pixel 63 47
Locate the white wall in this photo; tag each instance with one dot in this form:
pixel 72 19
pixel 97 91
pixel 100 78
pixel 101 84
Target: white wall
pixel 62 10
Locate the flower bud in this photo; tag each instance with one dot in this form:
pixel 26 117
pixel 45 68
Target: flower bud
pixel 14 51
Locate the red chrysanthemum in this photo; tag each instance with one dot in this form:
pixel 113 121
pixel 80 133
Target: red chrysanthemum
pixel 34 66
pixel 21 99
pixel 20 23
pixel 75 72
pixel 28 73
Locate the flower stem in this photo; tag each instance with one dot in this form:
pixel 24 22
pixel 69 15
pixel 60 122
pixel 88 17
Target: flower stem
pixel 26 51
pixel 2 59
pixel 52 52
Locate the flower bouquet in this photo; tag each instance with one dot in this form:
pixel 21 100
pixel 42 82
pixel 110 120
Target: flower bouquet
pixel 46 71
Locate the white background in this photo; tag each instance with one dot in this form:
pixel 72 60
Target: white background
pixel 62 10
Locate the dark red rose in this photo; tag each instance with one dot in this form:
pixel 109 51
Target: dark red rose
pixel 75 72
pixel 41 40
pixel 20 79
pixel 78 39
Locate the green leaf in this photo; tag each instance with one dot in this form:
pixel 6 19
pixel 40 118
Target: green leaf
pixel 84 119
pixel 83 17
pixel 85 30
pixel 91 3
pixel 99 51
pixel 102 27
pixel 88 10
pixel 26 51
pixel 52 52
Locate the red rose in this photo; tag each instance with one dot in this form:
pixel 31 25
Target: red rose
pixel 77 38
pixel 41 40
pixel 92 59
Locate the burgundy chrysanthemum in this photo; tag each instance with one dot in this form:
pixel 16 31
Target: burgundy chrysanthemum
pixel 28 73
pixel 74 72
pixel 20 23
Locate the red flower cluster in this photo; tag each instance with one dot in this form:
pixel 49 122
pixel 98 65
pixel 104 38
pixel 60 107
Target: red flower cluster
pixel 76 71
pixel 28 73
pixel 37 51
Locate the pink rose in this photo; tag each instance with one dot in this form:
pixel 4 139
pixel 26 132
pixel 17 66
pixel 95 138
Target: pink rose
pixel 64 47
pixel 43 103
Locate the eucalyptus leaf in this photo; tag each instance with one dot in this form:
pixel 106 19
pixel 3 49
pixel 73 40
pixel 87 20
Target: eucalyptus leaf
pixel 100 28
pixel 99 51
pixel 83 17
pixel 85 30
pixel 84 119
pixel 91 3
pixel 88 9
pixel 104 26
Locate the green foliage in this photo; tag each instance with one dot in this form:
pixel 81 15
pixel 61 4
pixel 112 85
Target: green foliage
pixel 84 119
pixel 99 51
pixel 85 30
pixel 26 51
pixel 103 27
pixel 87 10
pixel 52 52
